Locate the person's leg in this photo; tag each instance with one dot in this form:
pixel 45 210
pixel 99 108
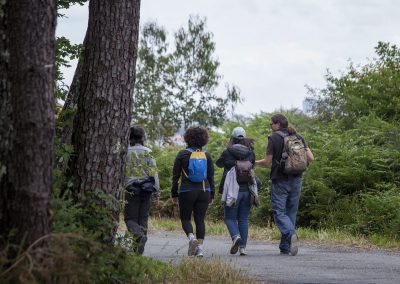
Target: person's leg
pixel 243 216
pixel 279 194
pixel 199 212
pixel 292 206
pixel 231 220
pixel 292 203
pixel 145 198
pixel 131 214
pixel 186 204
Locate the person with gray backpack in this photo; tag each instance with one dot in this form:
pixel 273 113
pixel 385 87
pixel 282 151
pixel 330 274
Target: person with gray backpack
pixel 288 156
pixel 141 182
pixel 238 161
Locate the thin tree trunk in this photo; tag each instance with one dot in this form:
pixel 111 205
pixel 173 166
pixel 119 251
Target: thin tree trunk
pixel 70 106
pixel 104 105
pixel 27 125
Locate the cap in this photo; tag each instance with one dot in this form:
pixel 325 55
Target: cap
pixel 239 132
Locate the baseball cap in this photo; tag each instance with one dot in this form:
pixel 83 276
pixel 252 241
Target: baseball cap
pixel 239 133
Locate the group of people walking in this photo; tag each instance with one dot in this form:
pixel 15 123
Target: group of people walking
pixel 193 187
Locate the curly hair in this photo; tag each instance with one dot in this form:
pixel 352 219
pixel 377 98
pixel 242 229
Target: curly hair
pixel 196 136
pixel 136 135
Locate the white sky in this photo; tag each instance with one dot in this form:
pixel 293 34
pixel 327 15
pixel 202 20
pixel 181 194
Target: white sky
pixel 272 49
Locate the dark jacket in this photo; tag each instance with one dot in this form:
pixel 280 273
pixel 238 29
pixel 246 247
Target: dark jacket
pixel 228 159
pixel 182 162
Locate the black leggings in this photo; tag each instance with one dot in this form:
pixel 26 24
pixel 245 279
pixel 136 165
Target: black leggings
pixel 195 201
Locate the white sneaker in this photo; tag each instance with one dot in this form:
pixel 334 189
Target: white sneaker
pixel 193 244
pixel 235 244
pixel 294 244
pixel 199 251
pixel 242 251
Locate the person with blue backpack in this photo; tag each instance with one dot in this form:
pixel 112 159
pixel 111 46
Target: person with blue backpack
pixel 193 186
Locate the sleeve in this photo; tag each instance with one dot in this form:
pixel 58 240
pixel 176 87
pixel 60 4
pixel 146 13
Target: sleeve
pixel 156 179
pixel 176 174
pixel 210 174
pixel 221 160
pixel 270 146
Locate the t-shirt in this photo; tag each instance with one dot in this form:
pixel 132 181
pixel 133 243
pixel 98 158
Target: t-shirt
pixel 275 148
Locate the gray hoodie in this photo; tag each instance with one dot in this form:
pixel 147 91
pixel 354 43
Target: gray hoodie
pixel 140 165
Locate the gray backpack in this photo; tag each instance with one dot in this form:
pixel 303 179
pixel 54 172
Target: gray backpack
pixel 294 158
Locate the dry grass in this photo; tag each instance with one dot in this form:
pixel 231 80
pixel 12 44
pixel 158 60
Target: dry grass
pixel 195 270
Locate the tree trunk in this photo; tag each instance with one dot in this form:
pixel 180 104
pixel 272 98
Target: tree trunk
pixel 69 109
pixel 104 104
pixel 27 116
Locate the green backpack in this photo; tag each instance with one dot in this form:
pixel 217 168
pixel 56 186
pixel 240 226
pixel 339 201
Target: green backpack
pixel 294 157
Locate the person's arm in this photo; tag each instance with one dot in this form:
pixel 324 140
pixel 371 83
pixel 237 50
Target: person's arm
pixel 310 155
pixel 176 174
pixel 266 162
pixel 210 175
pixel 221 161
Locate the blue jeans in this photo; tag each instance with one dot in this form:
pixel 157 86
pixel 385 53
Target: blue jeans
pixel 237 218
pixel 285 196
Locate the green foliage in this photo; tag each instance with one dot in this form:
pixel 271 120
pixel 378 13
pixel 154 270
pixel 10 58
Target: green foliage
pixel 65 51
pixel 154 106
pixel 65 4
pixel 371 89
pixel 340 188
pixel 177 86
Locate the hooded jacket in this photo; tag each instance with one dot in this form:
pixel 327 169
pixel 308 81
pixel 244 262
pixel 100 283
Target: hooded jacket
pixel 228 159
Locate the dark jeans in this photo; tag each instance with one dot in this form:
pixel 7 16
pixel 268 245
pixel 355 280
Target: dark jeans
pixel 137 213
pixel 195 201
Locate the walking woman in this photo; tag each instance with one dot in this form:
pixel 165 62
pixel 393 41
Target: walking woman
pixel 141 181
pixel 193 186
pixel 236 215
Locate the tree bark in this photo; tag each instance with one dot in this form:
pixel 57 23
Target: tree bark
pixel 104 103
pixel 27 124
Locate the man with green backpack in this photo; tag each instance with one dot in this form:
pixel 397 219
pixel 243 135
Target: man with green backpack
pixel 288 156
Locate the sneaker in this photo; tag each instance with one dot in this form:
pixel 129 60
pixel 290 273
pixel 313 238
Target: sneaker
pixel 284 253
pixel 199 251
pixel 141 243
pixel 235 244
pixel 193 244
pixel 242 251
pixel 294 244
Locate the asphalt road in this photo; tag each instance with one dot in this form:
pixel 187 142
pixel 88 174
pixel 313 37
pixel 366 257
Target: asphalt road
pixel 311 265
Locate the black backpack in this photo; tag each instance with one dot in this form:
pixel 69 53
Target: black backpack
pixel 243 171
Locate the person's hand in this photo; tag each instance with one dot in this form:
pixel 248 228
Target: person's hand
pixel 175 201
pixel 156 200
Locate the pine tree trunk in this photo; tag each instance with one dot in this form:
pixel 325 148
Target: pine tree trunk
pixel 104 105
pixel 27 123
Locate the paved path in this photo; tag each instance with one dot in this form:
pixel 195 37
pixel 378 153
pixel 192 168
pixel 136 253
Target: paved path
pixel 311 265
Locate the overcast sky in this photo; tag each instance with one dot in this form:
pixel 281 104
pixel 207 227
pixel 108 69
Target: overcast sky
pixel 272 49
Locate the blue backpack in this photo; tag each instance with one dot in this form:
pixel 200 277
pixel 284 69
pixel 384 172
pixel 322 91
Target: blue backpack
pixel 197 166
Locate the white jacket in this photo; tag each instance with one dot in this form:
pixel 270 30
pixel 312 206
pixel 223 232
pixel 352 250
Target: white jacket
pixel 231 189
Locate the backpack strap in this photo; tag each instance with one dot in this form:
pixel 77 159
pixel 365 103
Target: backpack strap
pixel 281 133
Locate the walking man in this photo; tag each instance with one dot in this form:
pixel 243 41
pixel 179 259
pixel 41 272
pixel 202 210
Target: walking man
pixel 286 182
